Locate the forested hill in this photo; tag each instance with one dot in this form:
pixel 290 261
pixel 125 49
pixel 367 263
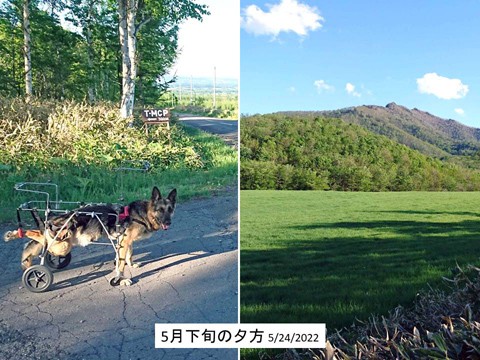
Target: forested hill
pixel 305 151
pixel 417 129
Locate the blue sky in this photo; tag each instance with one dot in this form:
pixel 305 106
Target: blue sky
pixel 323 55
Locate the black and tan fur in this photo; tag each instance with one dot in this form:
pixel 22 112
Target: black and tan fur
pixel 145 217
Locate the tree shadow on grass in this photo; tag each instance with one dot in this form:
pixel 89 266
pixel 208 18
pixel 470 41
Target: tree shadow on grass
pixel 338 279
pixel 405 227
pixel 430 212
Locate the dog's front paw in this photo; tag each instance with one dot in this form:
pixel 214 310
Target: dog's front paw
pixel 126 282
pixel 136 265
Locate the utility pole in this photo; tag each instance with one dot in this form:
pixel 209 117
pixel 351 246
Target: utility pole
pixel 191 89
pixel 214 87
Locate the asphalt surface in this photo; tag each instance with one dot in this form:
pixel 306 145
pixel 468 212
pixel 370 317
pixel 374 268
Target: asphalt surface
pixel 226 129
pixel 188 274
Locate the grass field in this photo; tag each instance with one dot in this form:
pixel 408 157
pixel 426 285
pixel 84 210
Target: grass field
pixel 335 257
pixel 226 106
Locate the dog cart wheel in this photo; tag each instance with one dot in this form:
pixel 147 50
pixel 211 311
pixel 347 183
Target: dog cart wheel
pixel 57 262
pixel 37 278
pixel 115 281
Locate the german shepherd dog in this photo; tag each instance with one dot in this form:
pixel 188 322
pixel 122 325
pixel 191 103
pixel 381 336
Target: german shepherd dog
pixel 139 221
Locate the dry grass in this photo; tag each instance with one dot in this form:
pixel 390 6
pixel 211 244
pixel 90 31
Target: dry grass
pixel 46 133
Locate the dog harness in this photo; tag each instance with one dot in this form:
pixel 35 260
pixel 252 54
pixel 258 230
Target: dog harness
pixel 20 231
pixel 125 214
pixel 147 227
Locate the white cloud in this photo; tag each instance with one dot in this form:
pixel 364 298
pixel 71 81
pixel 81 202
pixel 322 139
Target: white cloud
pixel 350 88
pixel 321 86
pixel 460 112
pixel 292 89
pixel 286 16
pixel 442 87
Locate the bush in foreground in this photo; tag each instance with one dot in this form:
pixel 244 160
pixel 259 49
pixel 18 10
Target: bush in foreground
pixel 50 134
pixel 439 326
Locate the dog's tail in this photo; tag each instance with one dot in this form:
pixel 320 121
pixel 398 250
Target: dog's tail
pixel 36 235
pixel 20 233
pixel 12 235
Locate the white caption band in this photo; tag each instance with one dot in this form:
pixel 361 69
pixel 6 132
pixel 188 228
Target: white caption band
pixel 239 335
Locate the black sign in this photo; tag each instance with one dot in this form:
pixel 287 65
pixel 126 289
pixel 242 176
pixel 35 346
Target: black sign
pixel 156 116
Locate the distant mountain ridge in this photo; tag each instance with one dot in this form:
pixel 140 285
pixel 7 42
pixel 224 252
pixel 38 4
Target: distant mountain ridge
pixel 300 151
pixel 417 129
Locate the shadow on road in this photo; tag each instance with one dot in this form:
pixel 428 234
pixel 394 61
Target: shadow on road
pixel 188 274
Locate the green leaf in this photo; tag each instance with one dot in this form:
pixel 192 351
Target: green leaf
pixel 439 340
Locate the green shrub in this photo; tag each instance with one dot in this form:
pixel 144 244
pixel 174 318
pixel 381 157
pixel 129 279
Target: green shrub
pixel 50 135
pixel 84 148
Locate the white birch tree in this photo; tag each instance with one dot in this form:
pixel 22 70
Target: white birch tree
pixel 27 43
pixel 133 15
pixel 27 50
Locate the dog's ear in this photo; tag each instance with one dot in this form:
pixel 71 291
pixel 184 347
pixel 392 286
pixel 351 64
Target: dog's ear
pixel 156 194
pixel 172 196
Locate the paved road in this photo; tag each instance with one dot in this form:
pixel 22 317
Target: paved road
pixel 188 275
pixel 226 129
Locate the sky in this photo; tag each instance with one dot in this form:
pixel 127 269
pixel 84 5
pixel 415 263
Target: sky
pixel 214 42
pixel 325 55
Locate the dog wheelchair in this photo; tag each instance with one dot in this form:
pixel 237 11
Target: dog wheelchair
pixel 56 229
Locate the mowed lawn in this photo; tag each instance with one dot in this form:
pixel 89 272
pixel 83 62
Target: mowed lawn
pixel 333 257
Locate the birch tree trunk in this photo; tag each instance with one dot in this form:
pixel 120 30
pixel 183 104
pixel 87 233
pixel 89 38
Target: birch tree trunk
pixel 132 50
pixel 27 50
pixel 127 12
pixel 128 29
pixel 91 80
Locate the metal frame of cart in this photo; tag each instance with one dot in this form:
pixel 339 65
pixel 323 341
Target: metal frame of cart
pixel 39 278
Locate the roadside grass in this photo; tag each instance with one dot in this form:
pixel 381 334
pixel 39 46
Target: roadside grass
pixel 95 184
pixel 226 106
pixel 212 147
pixel 81 147
pixel 103 185
pixel 335 257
